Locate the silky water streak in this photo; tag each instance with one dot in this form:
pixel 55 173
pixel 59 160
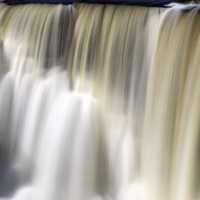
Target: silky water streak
pixel 113 50
pixel 99 102
pixel 171 131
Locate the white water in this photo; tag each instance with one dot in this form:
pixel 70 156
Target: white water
pixel 99 103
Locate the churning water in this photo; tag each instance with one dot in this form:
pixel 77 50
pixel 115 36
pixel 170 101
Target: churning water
pixel 99 102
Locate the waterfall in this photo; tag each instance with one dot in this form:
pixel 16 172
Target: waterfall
pixel 172 108
pixel 113 47
pixel 99 102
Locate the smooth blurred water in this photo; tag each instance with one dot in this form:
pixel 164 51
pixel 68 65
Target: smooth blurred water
pixel 99 102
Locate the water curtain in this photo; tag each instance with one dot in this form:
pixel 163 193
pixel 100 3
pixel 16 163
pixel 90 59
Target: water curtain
pixel 172 108
pixel 99 102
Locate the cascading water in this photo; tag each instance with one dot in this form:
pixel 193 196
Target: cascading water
pixel 99 102
pixel 113 47
pixel 171 126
